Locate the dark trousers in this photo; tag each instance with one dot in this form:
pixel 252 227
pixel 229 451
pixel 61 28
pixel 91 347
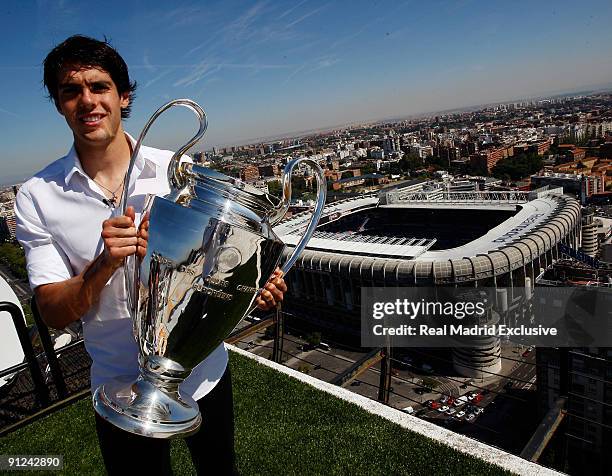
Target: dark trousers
pixel 211 448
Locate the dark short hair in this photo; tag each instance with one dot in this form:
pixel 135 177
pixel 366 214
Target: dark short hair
pixel 84 52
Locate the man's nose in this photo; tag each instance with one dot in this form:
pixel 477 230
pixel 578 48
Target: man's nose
pixel 87 98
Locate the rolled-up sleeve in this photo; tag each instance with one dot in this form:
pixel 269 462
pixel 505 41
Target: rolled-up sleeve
pixel 46 262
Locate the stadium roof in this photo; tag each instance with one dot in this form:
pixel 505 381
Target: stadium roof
pixel 536 227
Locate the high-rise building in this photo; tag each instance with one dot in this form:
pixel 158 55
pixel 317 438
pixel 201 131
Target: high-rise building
pixel 584 378
pixel 8 226
pixel 590 241
pixel 249 173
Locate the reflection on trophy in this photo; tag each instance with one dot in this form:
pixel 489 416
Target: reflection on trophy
pixel 211 250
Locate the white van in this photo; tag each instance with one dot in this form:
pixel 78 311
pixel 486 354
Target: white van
pixel 324 346
pixel 461 401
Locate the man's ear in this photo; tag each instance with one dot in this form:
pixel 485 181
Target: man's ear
pixel 125 100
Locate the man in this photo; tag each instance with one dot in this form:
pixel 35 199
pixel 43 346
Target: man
pixel 76 240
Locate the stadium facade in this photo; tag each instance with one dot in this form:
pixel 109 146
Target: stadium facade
pixel 413 237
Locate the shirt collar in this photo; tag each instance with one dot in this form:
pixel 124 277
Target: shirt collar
pixel 72 163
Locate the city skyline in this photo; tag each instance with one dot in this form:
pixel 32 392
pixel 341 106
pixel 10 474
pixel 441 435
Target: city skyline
pixel 265 69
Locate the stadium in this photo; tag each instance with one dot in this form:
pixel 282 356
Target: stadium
pixel 420 235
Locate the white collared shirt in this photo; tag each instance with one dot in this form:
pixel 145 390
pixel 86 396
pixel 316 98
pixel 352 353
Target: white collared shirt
pixel 59 213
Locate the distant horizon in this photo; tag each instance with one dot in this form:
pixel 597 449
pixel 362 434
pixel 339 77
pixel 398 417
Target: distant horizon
pixel 586 89
pixel 580 90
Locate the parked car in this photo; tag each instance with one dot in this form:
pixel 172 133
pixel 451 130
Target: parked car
pixel 450 411
pixel 478 410
pixel 451 400
pixel 460 414
pixel 444 399
pixel 470 417
pixel 434 405
pixel 324 346
pixel 461 400
pixel 443 408
pixel 408 410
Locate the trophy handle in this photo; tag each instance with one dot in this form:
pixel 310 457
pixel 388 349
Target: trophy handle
pixel 176 179
pixel 281 209
pixel 175 174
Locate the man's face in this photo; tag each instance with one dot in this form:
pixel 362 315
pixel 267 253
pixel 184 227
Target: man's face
pixel 89 101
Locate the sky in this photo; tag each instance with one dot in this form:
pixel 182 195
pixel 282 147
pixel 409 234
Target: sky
pixel 267 68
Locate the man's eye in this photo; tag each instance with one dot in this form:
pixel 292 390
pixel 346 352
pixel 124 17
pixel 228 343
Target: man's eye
pixel 68 91
pixel 98 88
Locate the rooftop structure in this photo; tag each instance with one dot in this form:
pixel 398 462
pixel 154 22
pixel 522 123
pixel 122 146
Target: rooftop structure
pixel 485 239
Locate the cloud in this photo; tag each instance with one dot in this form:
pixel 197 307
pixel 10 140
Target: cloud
pixel 208 41
pixel 199 73
pixel 288 11
pixel 303 17
pixel 241 41
pixel 233 36
pixel 351 36
pixel 241 27
pixel 147 64
pixel 10 113
pixel 322 64
pixel 222 64
pixel 183 16
pixel 294 73
pixel 158 77
pixel 307 68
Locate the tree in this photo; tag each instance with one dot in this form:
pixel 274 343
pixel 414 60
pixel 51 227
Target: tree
pixel 518 167
pixel 430 382
pixel 14 257
pixel 313 339
pixel 410 162
pixel 304 368
pixel 368 169
pixel 275 188
pixel 478 167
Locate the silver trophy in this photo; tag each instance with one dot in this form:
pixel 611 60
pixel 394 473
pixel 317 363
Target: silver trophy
pixel 211 250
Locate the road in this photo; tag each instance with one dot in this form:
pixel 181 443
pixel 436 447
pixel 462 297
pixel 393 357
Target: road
pixel 19 286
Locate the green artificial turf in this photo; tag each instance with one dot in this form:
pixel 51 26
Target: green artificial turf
pixel 283 427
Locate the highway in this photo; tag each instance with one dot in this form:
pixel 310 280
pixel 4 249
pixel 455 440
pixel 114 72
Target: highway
pixel 19 286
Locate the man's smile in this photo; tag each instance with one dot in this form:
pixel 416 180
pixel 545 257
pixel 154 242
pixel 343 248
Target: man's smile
pixel 91 119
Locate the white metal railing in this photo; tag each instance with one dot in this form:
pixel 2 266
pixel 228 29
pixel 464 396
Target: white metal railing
pixel 513 196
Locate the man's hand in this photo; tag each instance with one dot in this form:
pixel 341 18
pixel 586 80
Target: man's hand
pixel 273 292
pixel 66 301
pixel 143 236
pixel 120 238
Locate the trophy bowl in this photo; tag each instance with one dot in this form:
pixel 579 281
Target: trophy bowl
pixel 211 250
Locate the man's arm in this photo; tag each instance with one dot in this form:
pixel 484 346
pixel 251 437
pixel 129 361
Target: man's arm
pixel 67 301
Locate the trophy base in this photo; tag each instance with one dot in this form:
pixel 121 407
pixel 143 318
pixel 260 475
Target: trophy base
pixel 142 408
